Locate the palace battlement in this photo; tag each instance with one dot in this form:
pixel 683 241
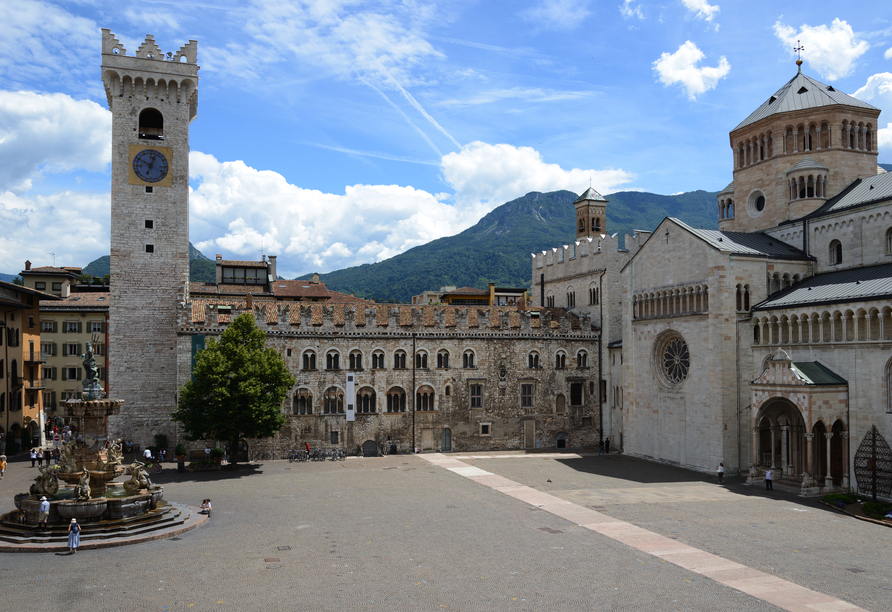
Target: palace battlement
pixel 601 244
pixel 211 316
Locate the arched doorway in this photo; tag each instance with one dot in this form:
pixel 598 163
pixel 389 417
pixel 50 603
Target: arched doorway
pixel 369 448
pixel 561 440
pixel 779 439
pixel 837 460
pixel 820 458
pixel 446 445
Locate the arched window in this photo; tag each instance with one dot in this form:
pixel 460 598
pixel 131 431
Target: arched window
pixel 355 360
pixel 560 404
pixel 889 386
pixel 730 212
pixel 421 360
pixel 467 359
pixel 151 125
pixel 303 402
pixel 448 391
pixel 424 399
pixel 581 359
pixel 889 241
pixel 746 298
pixel 309 360
pixel 333 361
pixel 333 401
pixel 581 224
pixel 560 360
pixel 396 400
pixel 443 359
pixel 755 334
pixel 835 252
pixel 596 224
pixel 399 360
pixel 366 400
pixel 378 360
pixel 533 360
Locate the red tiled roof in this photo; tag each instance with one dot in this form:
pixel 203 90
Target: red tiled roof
pixel 90 299
pixel 468 291
pixel 343 298
pixel 50 270
pixel 242 264
pixel 300 289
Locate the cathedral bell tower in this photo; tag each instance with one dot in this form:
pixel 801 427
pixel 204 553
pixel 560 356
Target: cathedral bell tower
pixel 591 214
pixel 153 97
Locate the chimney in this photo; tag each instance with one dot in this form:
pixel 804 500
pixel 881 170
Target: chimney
pixel 316 278
pixel 219 257
pixel 27 265
pixel 272 268
pixel 66 289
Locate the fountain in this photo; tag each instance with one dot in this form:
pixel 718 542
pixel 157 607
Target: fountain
pixel 88 465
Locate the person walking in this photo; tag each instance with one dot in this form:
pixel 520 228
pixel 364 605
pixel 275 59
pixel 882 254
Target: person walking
pixel 601 447
pixel 74 536
pixel 2 466
pixel 606 446
pixel 33 457
pixel 40 457
pixel 44 512
pixel 769 480
pixel 721 472
pixel 56 456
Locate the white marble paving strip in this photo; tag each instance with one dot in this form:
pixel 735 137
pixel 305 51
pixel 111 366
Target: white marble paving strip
pixel 776 591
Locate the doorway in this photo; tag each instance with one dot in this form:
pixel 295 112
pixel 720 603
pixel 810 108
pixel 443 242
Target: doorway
pixel 446 440
pixel 529 434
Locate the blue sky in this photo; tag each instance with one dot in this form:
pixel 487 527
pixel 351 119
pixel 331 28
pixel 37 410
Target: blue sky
pixel 344 132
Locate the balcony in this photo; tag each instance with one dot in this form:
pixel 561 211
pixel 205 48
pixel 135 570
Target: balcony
pixel 35 357
pixel 34 384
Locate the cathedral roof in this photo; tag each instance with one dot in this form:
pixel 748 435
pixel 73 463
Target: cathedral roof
pixel 741 243
pixel 860 192
pixel 590 194
pixel 853 285
pixel 801 93
pixel 815 373
pixel 808 163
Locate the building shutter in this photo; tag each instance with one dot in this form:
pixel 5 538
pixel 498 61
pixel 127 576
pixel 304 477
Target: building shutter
pixel 65 350
pixel 79 349
pixel 55 327
pixel 102 327
pixel 101 373
pixel 52 373
pixel 64 327
pixel 64 373
pixel 80 330
pixel 53 349
pixel 80 373
pixel 53 396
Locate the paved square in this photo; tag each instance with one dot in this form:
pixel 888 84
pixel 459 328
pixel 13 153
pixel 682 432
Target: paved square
pixel 403 533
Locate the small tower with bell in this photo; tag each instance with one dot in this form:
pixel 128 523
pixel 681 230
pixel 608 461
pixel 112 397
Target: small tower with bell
pixel 591 214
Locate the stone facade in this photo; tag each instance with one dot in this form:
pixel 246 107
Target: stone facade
pixel 153 99
pixel 519 406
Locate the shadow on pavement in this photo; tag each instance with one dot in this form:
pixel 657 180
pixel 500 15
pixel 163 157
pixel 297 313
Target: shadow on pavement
pixel 170 474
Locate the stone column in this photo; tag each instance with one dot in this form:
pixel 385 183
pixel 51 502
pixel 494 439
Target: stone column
pixel 848 136
pixel 773 448
pixel 785 451
pixel 810 453
pixel 795 141
pixel 755 446
pixel 845 460
pixel 828 479
pixel 819 137
pixel 880 315
pixel 801 327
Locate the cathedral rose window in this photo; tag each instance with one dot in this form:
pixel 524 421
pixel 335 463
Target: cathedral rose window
pixel 673 359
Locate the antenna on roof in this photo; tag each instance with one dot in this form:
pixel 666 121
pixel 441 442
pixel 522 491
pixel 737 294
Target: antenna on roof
pixel 262 256
pixel 54 258
pixel 799 49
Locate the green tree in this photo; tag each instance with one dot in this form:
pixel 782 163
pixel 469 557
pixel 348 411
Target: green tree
pixel 237 388
pixel 18 281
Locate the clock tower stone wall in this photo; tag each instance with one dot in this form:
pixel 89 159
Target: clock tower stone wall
pixel 153 98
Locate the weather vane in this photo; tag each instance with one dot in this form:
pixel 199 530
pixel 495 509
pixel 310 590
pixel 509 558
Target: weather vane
pixel 799 49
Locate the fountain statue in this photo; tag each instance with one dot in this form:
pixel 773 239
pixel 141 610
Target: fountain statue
pixel 139 479
pixel 46 483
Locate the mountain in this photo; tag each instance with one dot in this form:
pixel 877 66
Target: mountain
pixel 886 167
pixel 8 277
pixel 201 268
pixel 497 249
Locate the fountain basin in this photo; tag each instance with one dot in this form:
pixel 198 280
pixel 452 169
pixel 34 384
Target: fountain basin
pixel 81 510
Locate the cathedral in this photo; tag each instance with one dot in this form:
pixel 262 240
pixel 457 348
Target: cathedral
pixel 765 343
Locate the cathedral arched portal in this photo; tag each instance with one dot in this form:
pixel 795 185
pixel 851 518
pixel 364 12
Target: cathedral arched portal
pixel 779 439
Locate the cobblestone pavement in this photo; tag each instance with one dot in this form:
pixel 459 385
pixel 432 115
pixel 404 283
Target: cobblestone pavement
pixel 399 533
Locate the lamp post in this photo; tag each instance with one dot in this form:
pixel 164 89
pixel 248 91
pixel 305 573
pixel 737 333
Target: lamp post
pixel 6 379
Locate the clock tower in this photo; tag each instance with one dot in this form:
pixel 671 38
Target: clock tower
pixel 153 97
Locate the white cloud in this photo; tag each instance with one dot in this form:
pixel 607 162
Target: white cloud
pixel 833 51
pixel 628 11
pixel 557 14
pixel 50 133
pixel 524 94
pixel 702 9
pixel 878 91
pixel 72 224
pixel 888 53
pixel 488 175
pixel 235 207
pixel 681 67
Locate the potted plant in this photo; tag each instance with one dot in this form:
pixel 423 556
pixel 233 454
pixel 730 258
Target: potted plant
pixel 180 451
pixel 218 454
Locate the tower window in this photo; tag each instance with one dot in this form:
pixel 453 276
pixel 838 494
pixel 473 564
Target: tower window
pixel 835 253
pixel 151 125
pixel 760 203
pixel 150 224
pixel 150 248
pixel 150 189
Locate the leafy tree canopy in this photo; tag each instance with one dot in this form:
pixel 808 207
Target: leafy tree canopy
pixel 237 388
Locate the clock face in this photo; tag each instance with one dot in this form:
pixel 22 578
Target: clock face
pixel 150 165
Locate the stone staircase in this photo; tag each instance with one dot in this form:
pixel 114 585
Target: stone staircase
pixel 166 520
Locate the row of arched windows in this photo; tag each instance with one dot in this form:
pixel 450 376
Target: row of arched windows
pixel 813 137
pixel 807 186
pixel 366 400
pixel 726 209
pixel 778 282
pixel 810 328
pixel 333 360
pixel 671 302
pixel 596 224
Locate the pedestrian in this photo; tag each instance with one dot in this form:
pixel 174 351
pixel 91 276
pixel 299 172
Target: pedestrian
pixel 721 472
pixel 33 457
pixel 308 448
pixel 769 480
pixel 161 455
pixel 56 456
pixel 39 457
pixel 2 466
pixel 74 536
pixel 129 446
pixel 601 447
pixel 607 446
pixel 44 512
pixel 147 455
